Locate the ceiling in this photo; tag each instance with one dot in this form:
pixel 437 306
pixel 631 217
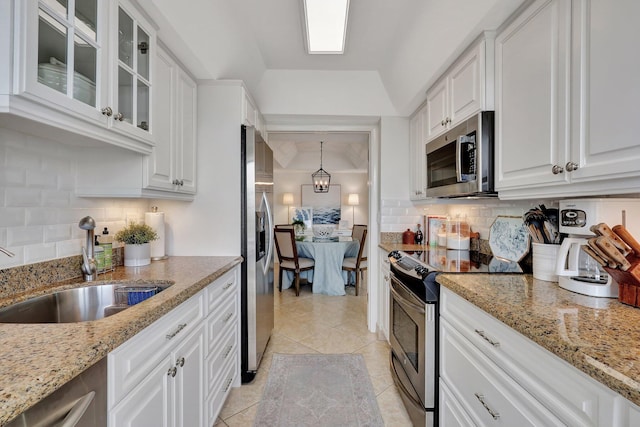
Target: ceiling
pixel 407 43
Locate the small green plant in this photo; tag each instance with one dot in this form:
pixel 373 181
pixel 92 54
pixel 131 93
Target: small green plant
pixel 136 234
pixel 298 222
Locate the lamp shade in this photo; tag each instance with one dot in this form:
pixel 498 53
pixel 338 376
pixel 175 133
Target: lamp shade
pixel 354 199
pixel 287 199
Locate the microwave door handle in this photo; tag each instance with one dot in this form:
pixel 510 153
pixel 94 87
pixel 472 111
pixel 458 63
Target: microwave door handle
pixel 459 159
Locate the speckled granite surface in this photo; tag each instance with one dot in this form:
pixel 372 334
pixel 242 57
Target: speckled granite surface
pixel 39 358
pixel 601 337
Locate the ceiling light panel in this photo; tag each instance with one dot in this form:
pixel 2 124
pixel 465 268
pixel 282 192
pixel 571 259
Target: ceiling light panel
pixel 326 25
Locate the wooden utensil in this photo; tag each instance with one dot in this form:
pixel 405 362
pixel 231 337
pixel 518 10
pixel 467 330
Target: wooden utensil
pixel 603 229
pixel 612 252
pixel 592 244
pixel 626 237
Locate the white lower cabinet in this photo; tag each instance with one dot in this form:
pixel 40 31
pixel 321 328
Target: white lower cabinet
pixel 492 375
pixel 179 370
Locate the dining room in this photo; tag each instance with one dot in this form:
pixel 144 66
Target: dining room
pixel 327 213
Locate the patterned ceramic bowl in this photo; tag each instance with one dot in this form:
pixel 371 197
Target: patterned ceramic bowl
pixel 323 231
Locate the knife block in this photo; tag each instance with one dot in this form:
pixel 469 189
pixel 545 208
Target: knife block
pixel 628 283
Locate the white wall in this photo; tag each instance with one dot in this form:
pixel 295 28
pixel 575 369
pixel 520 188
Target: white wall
pixel 39 212
pixel 290 182
pixel 394 158
pixel 332 93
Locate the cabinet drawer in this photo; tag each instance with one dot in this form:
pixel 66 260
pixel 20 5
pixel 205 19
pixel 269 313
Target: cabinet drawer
pixel 133 360
pixel 225 351
pixel 487 393
pixel 220 288
pixel 222 320
pixel 221 389
pixel 570 394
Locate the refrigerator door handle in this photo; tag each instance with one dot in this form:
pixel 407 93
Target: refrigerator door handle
pixel 269 229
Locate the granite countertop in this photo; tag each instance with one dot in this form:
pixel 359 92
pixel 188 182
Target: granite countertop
pixel 599 336
pixel 37 359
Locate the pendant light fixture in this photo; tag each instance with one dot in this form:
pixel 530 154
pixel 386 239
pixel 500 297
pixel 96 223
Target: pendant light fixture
pixel 321 177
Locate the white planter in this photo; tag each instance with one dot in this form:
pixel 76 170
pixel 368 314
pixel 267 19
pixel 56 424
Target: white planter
pixel 137 255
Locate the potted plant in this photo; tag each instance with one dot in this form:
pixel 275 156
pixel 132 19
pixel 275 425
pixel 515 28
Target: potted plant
pixel 298 225
pixel 136 238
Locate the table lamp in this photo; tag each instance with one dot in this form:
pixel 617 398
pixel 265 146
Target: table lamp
pixel 287 199
pixel 353 201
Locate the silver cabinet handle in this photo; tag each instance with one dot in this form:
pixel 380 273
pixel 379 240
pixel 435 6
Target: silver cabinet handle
pixel 178 329
pixel 486 338
pixel 227 385
pixel 227 286
pixel 172 372
pixel 226 319
pixel 557 169
pixel 443 122
pixel 571 166
pixel 181 182
pixel 448 120
pixel 119 117
pixel 494 414
pixel 180 362
pixel 226 353
pixel 107 111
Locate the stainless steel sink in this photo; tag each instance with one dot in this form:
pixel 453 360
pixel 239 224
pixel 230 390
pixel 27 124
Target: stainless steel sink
pixel 73 305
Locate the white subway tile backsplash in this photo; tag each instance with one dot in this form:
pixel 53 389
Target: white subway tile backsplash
pixel 38 253
pixel 12 217
pixel 39 212
pixel 57 233
pixel 56 198
pixel 21 236
pixel 21 197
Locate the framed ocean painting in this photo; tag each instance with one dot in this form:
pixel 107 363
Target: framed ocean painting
pixel 326 206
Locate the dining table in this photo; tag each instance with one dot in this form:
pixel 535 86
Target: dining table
pixel 327 276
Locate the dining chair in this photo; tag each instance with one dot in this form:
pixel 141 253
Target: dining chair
pixel 285 226
pixel 357 264
pixel 288 256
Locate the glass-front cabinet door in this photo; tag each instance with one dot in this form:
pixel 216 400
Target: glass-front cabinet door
pixel 132 96
pixel 66 54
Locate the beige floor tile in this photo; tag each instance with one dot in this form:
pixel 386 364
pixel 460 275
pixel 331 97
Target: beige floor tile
pixel 312 323
pixel 392 408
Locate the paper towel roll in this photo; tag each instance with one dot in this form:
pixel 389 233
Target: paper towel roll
pixel 155 220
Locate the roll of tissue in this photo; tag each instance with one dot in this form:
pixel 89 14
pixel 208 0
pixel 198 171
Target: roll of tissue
pixel 155 220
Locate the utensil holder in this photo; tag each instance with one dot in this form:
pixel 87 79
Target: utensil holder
pixel 628 285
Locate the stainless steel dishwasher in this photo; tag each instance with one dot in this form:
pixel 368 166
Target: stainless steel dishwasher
pixel 82 402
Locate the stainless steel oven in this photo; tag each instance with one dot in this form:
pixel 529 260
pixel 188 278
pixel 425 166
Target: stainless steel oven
pixel 413 336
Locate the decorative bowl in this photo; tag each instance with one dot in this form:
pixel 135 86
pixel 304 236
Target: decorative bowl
pixel 323 231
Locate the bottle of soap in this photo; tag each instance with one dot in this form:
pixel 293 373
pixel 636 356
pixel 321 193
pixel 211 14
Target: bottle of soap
pixel 98 255
pixel 106 241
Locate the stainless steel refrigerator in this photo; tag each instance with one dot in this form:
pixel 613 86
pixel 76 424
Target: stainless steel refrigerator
pixel 256 249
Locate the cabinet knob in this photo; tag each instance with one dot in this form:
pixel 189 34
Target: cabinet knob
pixel 557 169
pixel 448 120
pixel 107 111
pixel 175 182
pixel 180 362
pixel 181 182
pixel 172 372
pixel 572 166
pixel 443 122
pixel 119 117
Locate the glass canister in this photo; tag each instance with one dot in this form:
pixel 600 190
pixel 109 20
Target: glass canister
pixel 458 234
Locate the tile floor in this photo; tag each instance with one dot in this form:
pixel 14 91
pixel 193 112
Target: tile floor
pixel 314 323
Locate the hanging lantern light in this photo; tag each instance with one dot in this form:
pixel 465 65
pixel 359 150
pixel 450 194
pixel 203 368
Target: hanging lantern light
pixel 321 178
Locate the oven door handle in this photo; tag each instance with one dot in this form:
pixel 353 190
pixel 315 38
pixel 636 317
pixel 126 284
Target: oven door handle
pixel 403 301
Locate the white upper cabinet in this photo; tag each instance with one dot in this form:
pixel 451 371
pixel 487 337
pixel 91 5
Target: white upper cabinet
pixel 532 102
pixel 172 164
pixel 64 72
pixel 566 100
pixel 418 160
pixel 465 89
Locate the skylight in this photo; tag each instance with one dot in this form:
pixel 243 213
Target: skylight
pixel 326 25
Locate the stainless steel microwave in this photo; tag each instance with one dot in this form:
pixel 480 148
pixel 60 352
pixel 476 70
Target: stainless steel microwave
pixel 460 163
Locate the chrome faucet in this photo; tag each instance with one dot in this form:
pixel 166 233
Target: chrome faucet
pixel 89 269
pixel 6 252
